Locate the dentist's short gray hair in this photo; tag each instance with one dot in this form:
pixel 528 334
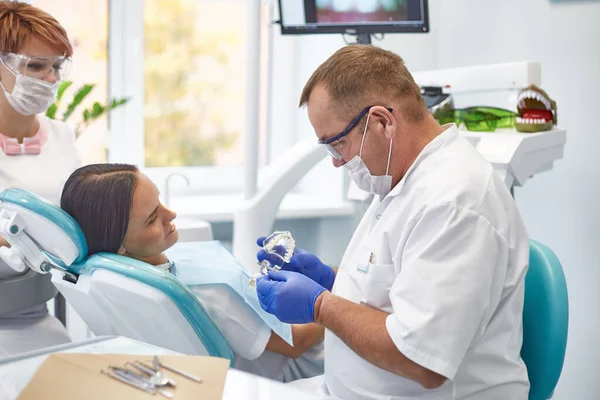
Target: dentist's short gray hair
pixel 360 75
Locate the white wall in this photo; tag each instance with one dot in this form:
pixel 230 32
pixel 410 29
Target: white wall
pixel 560 207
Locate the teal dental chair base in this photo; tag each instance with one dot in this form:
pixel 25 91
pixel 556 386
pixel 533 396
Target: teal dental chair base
pixel 545 321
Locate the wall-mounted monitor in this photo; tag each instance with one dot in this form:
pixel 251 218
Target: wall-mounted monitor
pixel 355 17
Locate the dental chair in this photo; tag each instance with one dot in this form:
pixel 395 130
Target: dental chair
pixel 115 295
pixel 545 321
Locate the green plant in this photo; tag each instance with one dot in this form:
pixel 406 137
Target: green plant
pixel 89 114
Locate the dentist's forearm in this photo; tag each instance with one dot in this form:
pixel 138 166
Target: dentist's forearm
pixel 363 329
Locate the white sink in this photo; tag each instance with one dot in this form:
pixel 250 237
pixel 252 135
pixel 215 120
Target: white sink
pixel 193 230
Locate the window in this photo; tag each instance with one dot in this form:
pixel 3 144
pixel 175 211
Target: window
pixel 194 80
pixel 183 63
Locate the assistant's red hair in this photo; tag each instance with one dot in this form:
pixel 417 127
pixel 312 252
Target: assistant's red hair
pixel 21 21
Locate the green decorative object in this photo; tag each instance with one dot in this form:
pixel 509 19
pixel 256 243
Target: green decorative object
pixel 536 110
pixel 89 114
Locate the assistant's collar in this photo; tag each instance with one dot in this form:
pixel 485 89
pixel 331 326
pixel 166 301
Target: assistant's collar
pixel 30 145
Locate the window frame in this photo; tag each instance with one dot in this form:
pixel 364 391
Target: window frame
pixel 126 141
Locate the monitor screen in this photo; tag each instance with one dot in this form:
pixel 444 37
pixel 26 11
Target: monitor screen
pixel 353 16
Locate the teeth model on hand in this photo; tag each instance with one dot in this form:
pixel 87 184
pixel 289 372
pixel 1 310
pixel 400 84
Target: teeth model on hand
pixel 278 244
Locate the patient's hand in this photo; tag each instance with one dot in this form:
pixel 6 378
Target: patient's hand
pixel 304 336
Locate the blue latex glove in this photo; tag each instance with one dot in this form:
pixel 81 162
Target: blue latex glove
pixel 289 296
pixel 303 262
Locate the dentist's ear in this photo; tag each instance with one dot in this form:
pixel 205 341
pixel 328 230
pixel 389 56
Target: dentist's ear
pixel 391 125
pixel 384 122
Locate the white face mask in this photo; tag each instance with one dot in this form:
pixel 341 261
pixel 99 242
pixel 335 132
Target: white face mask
pixel 362 177
pixel 31 96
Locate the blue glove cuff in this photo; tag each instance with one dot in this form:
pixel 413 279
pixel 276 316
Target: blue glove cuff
pixel 314 301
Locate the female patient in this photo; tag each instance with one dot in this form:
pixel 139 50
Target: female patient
pixel 119 211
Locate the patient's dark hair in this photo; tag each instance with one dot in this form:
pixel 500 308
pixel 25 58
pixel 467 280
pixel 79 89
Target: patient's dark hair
pixel 99 197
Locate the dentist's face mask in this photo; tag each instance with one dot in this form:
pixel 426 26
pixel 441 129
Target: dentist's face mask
pixel 362 177
pixel 32 94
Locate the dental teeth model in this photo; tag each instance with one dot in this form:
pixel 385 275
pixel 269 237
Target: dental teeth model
pixel 536 110
pixel 279 244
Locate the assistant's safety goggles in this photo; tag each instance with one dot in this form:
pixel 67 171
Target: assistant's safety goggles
pixel 478 119
pixel 38 67
pixel 333 143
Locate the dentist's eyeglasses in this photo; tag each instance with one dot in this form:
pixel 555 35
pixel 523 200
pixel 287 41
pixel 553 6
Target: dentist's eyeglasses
pixel 333 143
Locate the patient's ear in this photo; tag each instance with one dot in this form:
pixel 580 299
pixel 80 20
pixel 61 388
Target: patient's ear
pixel 122 251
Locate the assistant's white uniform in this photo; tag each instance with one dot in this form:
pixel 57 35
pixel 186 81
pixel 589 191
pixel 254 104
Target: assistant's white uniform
pixel 445 253
pixel 43 174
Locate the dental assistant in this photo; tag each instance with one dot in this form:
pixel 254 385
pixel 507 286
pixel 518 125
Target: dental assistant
pixel 36 154
pixel 428 299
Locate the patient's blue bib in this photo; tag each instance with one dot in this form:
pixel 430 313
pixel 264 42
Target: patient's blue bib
pixel 209 263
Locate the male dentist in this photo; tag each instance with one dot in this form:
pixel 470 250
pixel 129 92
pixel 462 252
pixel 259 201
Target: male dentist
pixel 428 300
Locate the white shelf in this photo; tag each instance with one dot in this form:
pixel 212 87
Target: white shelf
pixel 517 156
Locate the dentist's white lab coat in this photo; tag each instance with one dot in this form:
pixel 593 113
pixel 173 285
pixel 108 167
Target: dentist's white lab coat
pixel 445 254
pixel 43 174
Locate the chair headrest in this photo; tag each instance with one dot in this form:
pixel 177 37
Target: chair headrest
pixel 56 233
